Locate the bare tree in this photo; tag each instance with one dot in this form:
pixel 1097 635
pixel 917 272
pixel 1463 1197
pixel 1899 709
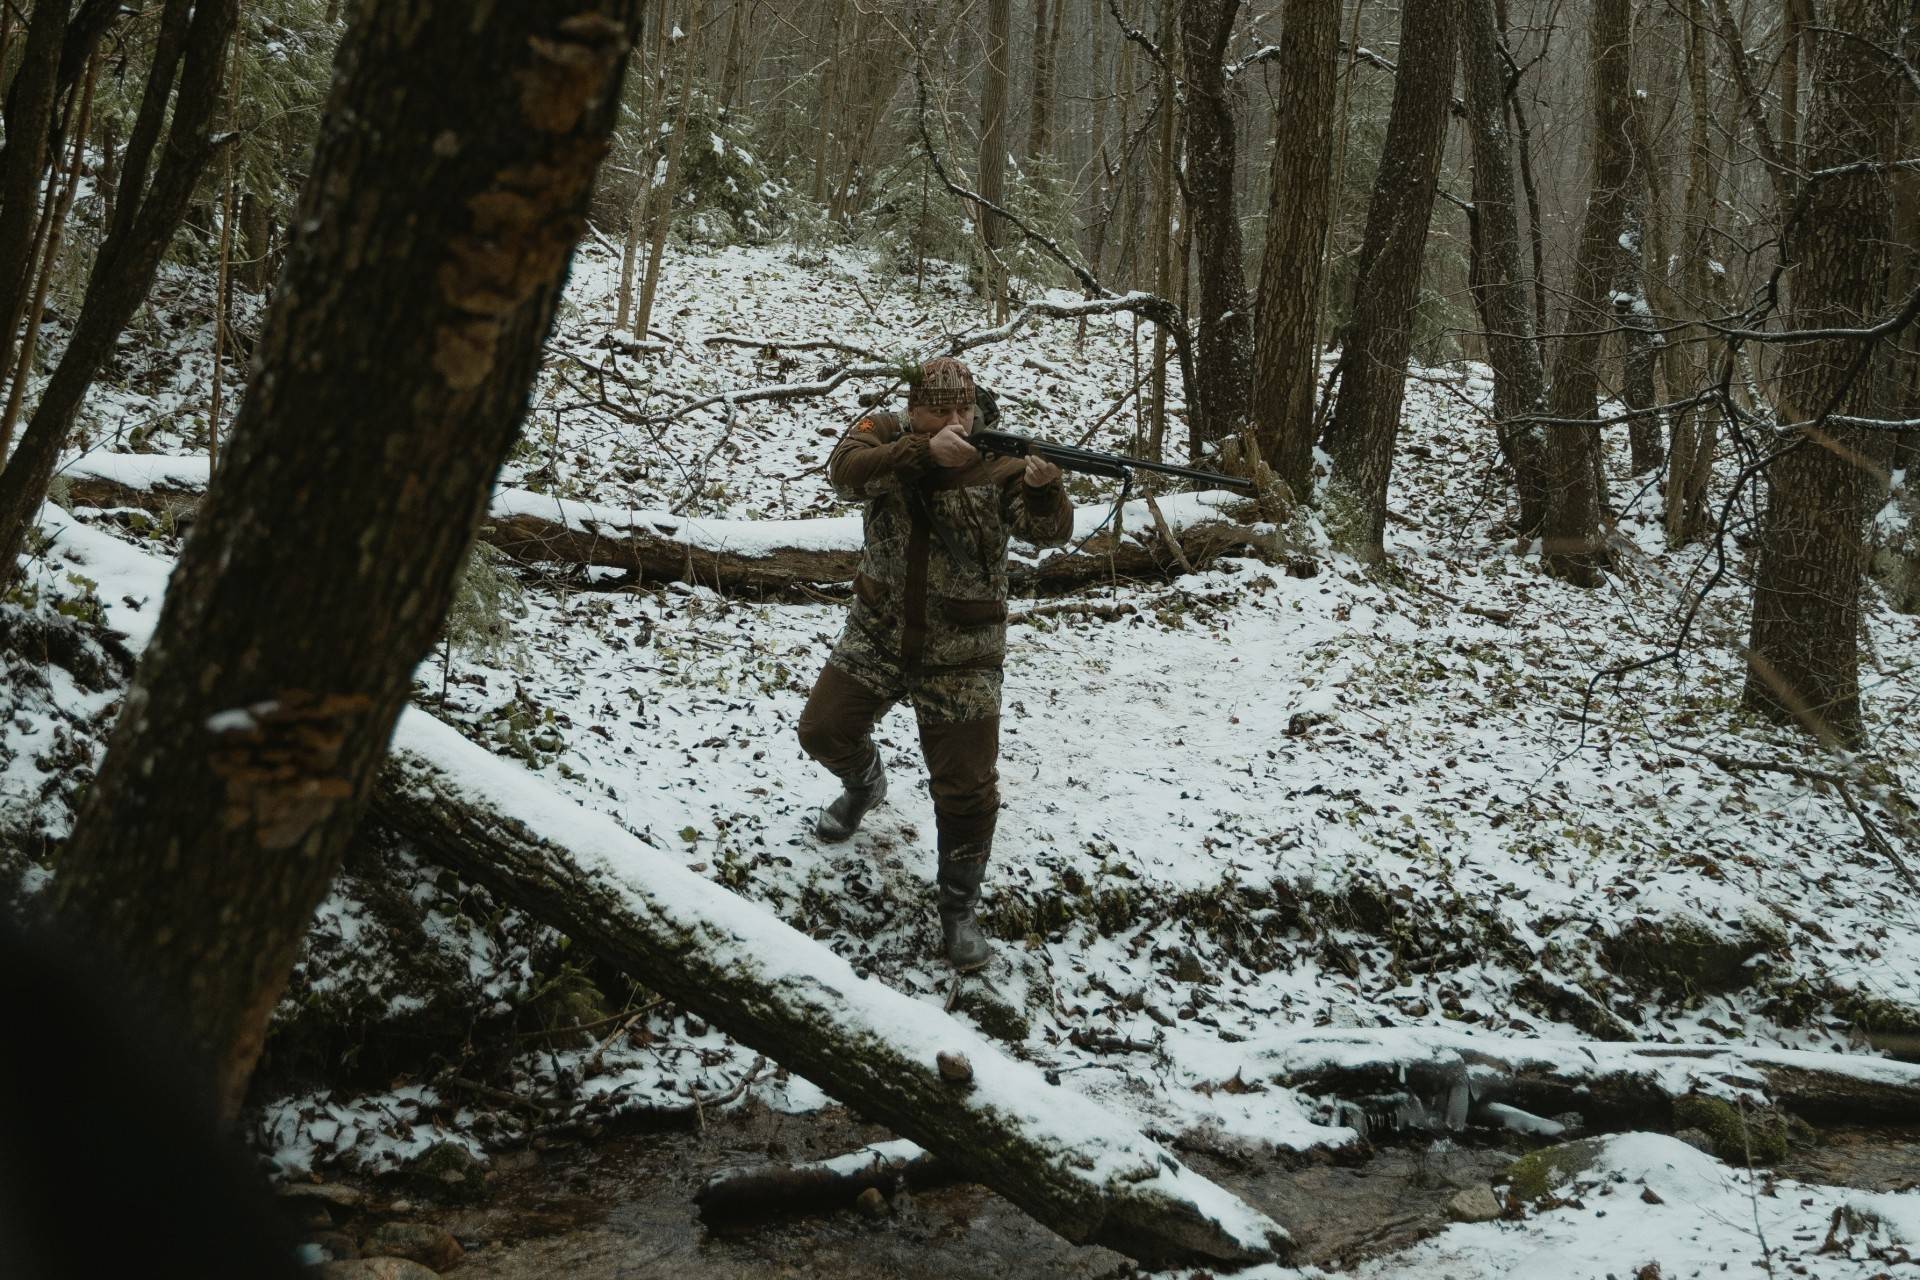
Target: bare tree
pixel 993 153
pixel 1379 338
pixel 325 555
pixel 1293 266
pixel 1573 542
pixel 1223 343
pixel 663 193
pixel 190 55
pixel 1499 289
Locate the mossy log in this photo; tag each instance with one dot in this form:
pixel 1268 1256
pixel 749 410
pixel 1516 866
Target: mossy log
pixel 1054 1153
pixel 763 557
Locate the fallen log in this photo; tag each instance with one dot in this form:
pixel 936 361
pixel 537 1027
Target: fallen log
pixel 1054 1153
pixel 1433 1078
pixel 761 556
pixel 760 1191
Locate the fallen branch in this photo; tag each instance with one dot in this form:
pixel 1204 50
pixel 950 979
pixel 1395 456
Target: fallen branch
pixel 735 1195
pixel 1054 1153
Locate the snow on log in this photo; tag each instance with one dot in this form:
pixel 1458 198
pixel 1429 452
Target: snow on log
pixel 1054 1153
pixel 818 1185
pixel 756 555
pixel 1432 1077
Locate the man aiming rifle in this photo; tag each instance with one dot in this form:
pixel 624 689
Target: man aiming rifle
pixel 928 623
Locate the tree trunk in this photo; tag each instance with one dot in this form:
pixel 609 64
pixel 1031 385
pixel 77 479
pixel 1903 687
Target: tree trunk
pixel 902 1062
pixel 1373 356
pixel 248 744
pixel 1286 366
pixel 832 89
pixel 145 217
pixel 993 155
pixel 30 102
pixel 1219 404
pixel 1634 317
pixel 1046 42
pixel 1166 204
pixel 652 112
pixel 1695 431
pixel 661 217
pixel 1804 653
pixel 1499 287
pixel 1573 544
pixel 733 70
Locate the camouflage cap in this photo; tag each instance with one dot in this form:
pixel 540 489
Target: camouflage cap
pixel 942 381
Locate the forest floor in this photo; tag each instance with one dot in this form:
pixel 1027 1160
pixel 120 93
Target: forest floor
pixel 1251 805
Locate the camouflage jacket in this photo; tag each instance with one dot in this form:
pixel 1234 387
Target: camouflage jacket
pixel 931 593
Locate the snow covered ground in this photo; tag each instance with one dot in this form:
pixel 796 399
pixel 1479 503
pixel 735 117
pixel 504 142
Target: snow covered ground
pixel 1257 803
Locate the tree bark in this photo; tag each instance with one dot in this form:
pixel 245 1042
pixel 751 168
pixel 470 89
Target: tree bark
pixel 1572 542
pixel 145 217
pixel 1050 1151
pixel 248 745
pixel 1499 287
pixel 1219 403
pixel 1804 652
pixel 1286 362
pixel 1379 338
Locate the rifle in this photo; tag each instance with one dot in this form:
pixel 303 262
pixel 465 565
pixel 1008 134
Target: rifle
pixel 1091 461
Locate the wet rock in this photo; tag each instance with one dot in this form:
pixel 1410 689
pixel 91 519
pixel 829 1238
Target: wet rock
pixel 1739 1136
pixel 374 1269
pixel 1698 1139
pixel 338 1246
pixel 1475 1204
pixel 450 1171
pixel 416 1241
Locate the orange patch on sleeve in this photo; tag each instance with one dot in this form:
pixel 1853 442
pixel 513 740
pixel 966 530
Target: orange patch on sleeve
pixel 865 424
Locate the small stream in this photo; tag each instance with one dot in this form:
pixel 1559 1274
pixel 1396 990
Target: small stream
pixel 623 1207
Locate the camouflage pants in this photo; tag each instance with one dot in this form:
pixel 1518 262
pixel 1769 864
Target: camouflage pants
pixel 960 743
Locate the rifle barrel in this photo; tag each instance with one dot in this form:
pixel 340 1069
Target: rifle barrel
pixel 1092 461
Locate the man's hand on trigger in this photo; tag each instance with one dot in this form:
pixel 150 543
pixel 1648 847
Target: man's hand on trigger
pixel 1040 472
pixel 949 448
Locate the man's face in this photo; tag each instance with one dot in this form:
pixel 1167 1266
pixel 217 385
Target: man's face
pixel 930 420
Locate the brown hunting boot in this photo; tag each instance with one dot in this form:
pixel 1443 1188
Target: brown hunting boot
pixel 864 790
pixel 961 872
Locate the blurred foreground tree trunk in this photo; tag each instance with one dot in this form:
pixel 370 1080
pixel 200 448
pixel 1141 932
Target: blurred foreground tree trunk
pixel 449 185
